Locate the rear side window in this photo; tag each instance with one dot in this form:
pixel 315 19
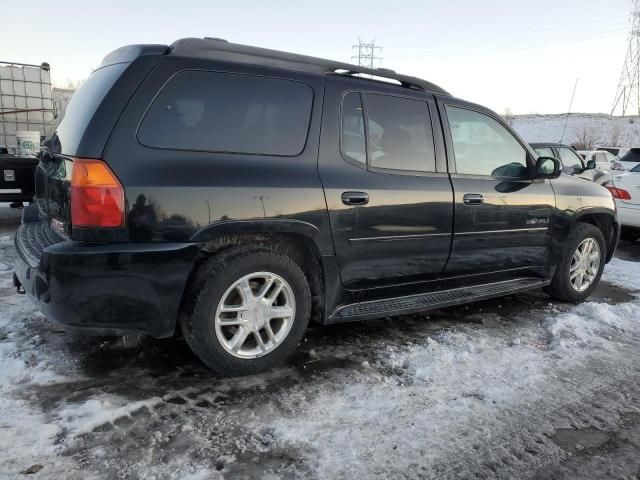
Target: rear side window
pixel 398 132
pixel 227 112
pixel 83 106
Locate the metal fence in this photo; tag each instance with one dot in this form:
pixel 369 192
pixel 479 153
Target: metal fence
pixel 25 100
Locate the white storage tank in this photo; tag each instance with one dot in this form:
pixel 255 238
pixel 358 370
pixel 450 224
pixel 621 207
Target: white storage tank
pixel 26 103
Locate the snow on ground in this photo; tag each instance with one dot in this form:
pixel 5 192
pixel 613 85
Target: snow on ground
pixel 599 128
pixel 481 391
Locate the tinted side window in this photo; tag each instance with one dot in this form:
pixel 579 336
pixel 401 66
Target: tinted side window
pixel 352 135
pixel 484 147
pixel 399 133
pixel 84 104
pixel 225 112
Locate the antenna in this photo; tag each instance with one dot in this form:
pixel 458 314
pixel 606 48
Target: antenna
pixel 627 97
pixel 367 53
pixel 569 112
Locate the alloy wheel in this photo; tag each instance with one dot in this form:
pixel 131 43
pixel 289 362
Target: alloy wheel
pixel 255 315
pixel 585 264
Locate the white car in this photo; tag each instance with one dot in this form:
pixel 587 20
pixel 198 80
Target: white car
pixel 605 161
pixel 625 189
pixel 630 159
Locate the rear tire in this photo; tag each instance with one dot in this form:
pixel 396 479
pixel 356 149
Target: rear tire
pixel 227 319
pixel 567 285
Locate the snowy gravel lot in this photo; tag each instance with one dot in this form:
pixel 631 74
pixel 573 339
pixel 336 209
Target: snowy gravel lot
pixel 518 387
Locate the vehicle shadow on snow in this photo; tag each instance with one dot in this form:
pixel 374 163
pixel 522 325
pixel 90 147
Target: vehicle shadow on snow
pixel 158 366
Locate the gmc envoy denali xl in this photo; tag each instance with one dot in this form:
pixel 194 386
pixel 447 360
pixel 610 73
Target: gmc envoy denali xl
pixel 237 193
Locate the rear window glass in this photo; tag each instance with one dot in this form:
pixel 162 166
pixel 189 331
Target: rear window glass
pixel 632 155
pixel 225 112
pixel 83 106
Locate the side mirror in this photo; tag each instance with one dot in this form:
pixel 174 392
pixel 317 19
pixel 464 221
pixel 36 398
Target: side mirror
pixel 591 165
pixel 548 167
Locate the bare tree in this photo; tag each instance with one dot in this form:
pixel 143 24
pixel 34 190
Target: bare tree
pixel 616 136
pixel 586 139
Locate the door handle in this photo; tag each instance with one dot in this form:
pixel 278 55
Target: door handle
pixel 355 198
pixel 473 199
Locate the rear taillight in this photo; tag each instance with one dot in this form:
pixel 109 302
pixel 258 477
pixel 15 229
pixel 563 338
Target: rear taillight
pixel 97 197
pixel 618 193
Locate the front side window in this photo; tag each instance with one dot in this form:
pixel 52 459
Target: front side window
pixel 398 133
pixel 482 146
pixel 570 159
pixel 226 112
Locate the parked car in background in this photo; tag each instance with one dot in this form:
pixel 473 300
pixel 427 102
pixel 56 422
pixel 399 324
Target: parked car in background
pixel 236 193
pixel 625 189
pixel 615 151
pixel 17 178
pixel 605 161
pixel 630 159
pixel 572 163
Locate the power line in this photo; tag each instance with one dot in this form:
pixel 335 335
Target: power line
pixel 367 53
pixel 627 97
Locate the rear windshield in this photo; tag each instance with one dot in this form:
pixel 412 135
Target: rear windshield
pixel 225 112
pixel 636 169
pixel 632 155
pixel 83 105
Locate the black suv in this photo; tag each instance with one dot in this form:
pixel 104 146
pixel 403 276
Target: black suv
pixel 238 192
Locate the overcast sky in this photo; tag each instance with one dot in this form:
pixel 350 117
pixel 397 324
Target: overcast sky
pixel 521 55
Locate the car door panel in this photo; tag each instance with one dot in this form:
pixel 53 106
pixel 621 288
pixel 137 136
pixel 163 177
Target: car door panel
pixel 507 229
pixel 402 234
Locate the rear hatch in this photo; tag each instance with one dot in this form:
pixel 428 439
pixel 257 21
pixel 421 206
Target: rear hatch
pixel 53 174
pixel 84 129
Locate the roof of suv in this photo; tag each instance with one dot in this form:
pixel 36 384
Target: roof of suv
pixel 219 49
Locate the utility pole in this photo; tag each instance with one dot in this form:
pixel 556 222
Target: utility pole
pixel 368 53
pixel 627 99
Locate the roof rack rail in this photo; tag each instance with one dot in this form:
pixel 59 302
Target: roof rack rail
pixel 220 49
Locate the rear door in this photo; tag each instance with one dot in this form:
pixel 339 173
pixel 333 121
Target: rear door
pixel 389 197
pixel 502 215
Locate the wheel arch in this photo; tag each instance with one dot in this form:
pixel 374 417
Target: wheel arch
pixel 605 221
pixel 297 239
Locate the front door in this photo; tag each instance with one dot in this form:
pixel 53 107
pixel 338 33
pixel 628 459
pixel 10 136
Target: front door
pixel 502 214
pixel 391 211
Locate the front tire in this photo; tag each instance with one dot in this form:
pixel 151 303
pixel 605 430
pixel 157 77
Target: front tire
pixel 246 310
pixel 579 271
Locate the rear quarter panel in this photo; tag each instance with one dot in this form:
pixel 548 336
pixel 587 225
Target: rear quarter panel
pixel 177 196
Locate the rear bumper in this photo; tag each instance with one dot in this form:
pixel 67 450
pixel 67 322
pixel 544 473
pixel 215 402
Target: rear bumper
pixel 107 289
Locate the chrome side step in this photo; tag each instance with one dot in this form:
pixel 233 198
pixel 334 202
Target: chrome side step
pixel 434 300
